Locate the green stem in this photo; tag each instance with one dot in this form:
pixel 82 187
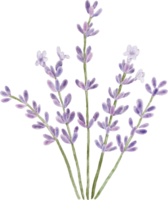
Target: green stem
pixel 105 142
pixel 59 145
pixel 87 115
pixel 128 142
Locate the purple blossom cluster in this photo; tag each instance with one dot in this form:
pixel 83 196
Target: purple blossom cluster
pixel 65 115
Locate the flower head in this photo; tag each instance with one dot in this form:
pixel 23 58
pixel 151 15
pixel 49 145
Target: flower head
pixel 115 92
pixel 86 30
pixel 24 99
pixel 57 87
pixel 88 54
pixel 89 84
pixel 67 117
pixel 53 73
pixel 61 55
pixel 140 76
pixel 50 139
pixel 126 81
pixel 131 53
pixel 90 9
pixel 32 114
pixel 41 58
pixel 65 137
pixel 7 94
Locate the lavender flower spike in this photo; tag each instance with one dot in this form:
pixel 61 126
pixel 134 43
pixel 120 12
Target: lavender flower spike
pixel 41 58
pixel 24 99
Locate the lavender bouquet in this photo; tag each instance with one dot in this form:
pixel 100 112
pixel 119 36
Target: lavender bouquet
pixel 62 133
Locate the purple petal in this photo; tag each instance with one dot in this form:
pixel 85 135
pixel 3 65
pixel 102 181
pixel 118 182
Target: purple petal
pixel 109 104
pixel 89 54
pixel 114 124
pixel 80 119
pixel 64 137
pixel 142 131
pixel 38 109
pixel 119 110
pixel 91 123
pixel 130 121
pixel 116 128
pixel 8 90
pixel 59 64
pixel 57 85
pixel 105 108
pixel 59 118
pixel 163 93
pixel 19 106
pixel 71 116
pixel 118 137
pixel 110 92
pixel 148 88
pixel 51 85
pixel 121 147
pixel 120 96
pixel 53 96
pixel 35 106
pixel 79 53
pixel 96 115
pixel 103 148
pixel 99 125
pixel 85 27
pixel 82 85
pixel 94 86
pixel 26 95
pixel 112 110
pixel 126 94
pixel 59 72
pixel 55 130
pixel 138 107
pixel 150 112
pixel 125 140
pixel 75 136
pixel 154 92
pixel 56 103
pixel 95 4
pixel 163 83
pixel 77 82
pixel 46 117
pixel 111 147
pixel 22 99
pixel 132 147
pixel 107 130
pixel 5 100
pixel 87 6
pixel 79 28
pixel 63 85
pixel 95 33
pixel 98 142
pixel 133 130
pixel 92 81
pixel 48 140
pixel 4 94
pixel 29 115
pixel 91 11
pixel 76 129
pixel 67 99
pixel 98 12
pixel 154 81
pixel 37 126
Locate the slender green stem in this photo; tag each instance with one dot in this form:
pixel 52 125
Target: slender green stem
pixel 105 142
pixel 87 115
pixel 59 145
pixel 128 142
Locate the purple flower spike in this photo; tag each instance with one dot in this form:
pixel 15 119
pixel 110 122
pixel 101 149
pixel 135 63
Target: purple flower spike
pixel 104 147
pixel 41 59
pixel 138 107
pixel 156 90
pixel 92 10
pixel 24 97
pixel 5 95
pixel 114 94
pixel 80 119
pixel 61 55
